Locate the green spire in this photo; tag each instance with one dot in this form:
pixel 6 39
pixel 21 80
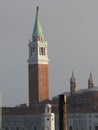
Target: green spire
pixel 37 31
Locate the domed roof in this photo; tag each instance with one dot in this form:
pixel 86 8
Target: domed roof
pixel 48 105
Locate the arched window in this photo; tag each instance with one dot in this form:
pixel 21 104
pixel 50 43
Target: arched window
pixel 49 110
pixel 42 50
pixel 34 127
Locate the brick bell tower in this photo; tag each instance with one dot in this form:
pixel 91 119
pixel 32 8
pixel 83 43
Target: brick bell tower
pixel 38 65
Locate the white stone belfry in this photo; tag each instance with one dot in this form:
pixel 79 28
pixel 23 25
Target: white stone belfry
pixel 38 45
pixel 48 119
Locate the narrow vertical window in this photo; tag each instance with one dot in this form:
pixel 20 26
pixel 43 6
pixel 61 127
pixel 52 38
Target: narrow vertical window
pixel 6 128
pixel 42 51
pixel 70 127
pixel 76 128
pixel 33 51
pixel 90 128
pixel 17 128
pixel 82 128
pixel 34 127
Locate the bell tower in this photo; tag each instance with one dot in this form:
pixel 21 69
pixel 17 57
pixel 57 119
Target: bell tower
pixel 90 81
pixel 72 83
pixel 38 65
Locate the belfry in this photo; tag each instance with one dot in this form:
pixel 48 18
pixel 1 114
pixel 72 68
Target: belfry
pixel 38 65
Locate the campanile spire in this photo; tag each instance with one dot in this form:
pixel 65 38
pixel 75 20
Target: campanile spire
pixel 90 81
pixel 72 83
pixel 38 65
pixel 37 34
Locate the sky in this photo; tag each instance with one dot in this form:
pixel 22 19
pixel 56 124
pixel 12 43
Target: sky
pixel 71 30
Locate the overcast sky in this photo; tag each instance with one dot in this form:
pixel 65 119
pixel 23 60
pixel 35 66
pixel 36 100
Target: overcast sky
pixel 71 30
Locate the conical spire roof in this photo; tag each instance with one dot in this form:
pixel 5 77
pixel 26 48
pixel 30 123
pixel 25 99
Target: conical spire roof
pixel 37 31
pixel 90 78
pixel 72 79
pixel 90 81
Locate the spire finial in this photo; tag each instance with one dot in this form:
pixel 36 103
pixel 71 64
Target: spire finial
pixel 72 83
pixel 90 81
pixel 90 74
pixel 37 8
pixel 72 79
pixel 72 73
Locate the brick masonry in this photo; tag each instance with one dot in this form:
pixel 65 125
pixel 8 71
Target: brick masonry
pixel 38 83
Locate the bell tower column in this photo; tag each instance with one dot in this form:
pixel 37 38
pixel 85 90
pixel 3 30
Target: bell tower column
pixel 72 83
pixel 38 65
pixel 90 81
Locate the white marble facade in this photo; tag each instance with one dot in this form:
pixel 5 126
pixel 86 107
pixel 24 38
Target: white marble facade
pixel 44 121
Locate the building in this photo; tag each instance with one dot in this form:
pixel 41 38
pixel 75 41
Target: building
pixel 82 105
pixel 38 65
pixel 38 115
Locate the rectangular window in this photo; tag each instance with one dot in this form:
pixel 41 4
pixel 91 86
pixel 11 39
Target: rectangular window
pixel 42 51
pixel 82 128
pixel 6 128
pixel 76 128
pixel 17 128
pixel 34 127
pixel 96 127
pixel 70 127
pixel 90 128
pixel 33 51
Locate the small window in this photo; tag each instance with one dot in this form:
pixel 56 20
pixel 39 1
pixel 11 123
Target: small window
pixel 90 128
pixel 17 128
pixel 96 116
pixel 96 127
pixel 6 128
pixel 33 51
pixel 49 110
pixel 47 119
pixel 34 127
pixel 34 38
pixel 42 51
pixel 70 127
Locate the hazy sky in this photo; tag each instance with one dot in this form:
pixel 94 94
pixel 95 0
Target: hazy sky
pixel 71 30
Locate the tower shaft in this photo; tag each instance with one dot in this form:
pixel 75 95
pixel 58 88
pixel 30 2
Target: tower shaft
pixel 38 83
pixel 72 83
pixel 38 65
